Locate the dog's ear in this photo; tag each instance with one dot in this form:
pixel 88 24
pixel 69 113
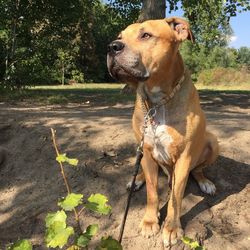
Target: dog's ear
pixel 181 28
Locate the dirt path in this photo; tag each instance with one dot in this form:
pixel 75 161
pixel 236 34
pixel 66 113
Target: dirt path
pixel 30 182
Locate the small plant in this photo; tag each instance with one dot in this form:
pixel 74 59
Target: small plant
pixel 58 231
pixel 193 244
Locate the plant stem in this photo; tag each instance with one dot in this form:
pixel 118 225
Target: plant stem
pixel 61 166
pixel 62 170
pixel 81 210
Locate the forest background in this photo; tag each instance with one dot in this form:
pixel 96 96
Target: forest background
pixel 51 41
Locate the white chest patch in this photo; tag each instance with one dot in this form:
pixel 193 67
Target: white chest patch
pixel 156 135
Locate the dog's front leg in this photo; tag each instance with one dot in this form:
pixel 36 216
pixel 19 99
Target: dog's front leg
pixel 150 223
pixel 172 230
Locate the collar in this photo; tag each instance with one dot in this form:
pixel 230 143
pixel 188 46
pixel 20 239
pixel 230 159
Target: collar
pixel 146 105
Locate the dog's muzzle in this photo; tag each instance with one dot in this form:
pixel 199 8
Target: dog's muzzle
pixel 125 64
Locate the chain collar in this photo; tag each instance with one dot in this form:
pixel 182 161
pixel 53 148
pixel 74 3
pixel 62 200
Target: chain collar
pixel 150 112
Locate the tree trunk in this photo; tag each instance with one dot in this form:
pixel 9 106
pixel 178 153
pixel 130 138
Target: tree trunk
pixel 63 71
pixel 152 9
pixel 11 48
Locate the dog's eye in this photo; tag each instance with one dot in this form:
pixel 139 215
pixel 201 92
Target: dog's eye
pixel 146 35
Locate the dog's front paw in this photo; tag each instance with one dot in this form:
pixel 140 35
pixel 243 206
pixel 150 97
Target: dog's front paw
pixel 149 227
pixel 171 234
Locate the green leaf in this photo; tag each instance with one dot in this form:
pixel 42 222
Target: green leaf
pixel 59 216
pixel 108 243
pixel 57 232
pixel 72 161
pixel 98 203
pixel 84 239
pixel 71 201
pixel 63 158
pixel 21 245
pixel 92 230
pixel 193 244
pixel 59 237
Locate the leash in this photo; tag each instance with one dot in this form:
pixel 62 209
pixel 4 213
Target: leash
pixel 149 114
pixel 139 154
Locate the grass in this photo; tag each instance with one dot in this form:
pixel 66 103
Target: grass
pixel 62 94
pixel 245 87
pixel 98 93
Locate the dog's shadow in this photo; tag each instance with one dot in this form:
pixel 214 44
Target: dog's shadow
pixel 229 176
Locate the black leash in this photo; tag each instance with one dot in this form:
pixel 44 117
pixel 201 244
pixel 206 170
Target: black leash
pixel 139 155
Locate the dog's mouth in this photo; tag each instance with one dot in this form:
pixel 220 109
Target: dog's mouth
pixel 124 72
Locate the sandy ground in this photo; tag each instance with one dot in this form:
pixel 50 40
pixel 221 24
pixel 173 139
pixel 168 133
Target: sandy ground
pixel 100 136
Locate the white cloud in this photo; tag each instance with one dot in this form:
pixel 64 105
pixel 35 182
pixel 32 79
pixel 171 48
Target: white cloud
pixel 233 39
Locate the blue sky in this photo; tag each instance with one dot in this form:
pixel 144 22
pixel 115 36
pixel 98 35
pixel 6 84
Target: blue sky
pixel 240 25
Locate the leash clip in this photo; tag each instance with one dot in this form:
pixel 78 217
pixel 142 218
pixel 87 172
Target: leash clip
pixel 151 113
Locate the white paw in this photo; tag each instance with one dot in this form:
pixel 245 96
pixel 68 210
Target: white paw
pixel 168 243
pixel 138 185
pixel 171 237
pixel 207 187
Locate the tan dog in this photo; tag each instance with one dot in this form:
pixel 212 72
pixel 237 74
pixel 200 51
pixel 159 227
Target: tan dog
pixel 147 56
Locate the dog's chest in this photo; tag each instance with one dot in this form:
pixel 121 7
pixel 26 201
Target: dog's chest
pixel 157 136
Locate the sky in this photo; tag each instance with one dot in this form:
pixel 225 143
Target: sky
pixel 240 25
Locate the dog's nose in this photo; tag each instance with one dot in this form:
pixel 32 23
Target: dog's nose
pixel 115 47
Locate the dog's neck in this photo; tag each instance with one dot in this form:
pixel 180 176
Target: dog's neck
pixel 156 90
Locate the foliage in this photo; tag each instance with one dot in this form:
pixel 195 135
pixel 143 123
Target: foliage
pixel 20 245
pixel 98 203
pixel 63 158
pixel 84 239
pixel 193 244
pixel 71 201
pixel 57 232
pixel 200 58
pixel 224 76
pixel 243 56
pixel 108 243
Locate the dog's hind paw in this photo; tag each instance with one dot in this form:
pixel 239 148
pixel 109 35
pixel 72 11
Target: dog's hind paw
pixel 207 186
pixel 138 185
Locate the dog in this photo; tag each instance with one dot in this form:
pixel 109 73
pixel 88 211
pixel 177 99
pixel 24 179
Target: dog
pixel 146 55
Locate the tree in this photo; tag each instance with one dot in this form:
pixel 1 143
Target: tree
pixel 243 56
pixel 152 10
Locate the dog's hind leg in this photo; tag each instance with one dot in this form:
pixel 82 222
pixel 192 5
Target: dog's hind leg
pixel 208 156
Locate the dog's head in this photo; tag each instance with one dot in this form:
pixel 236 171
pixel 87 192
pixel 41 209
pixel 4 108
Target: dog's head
pixel 143 50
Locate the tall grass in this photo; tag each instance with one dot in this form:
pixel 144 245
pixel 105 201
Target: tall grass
pixel 224 77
